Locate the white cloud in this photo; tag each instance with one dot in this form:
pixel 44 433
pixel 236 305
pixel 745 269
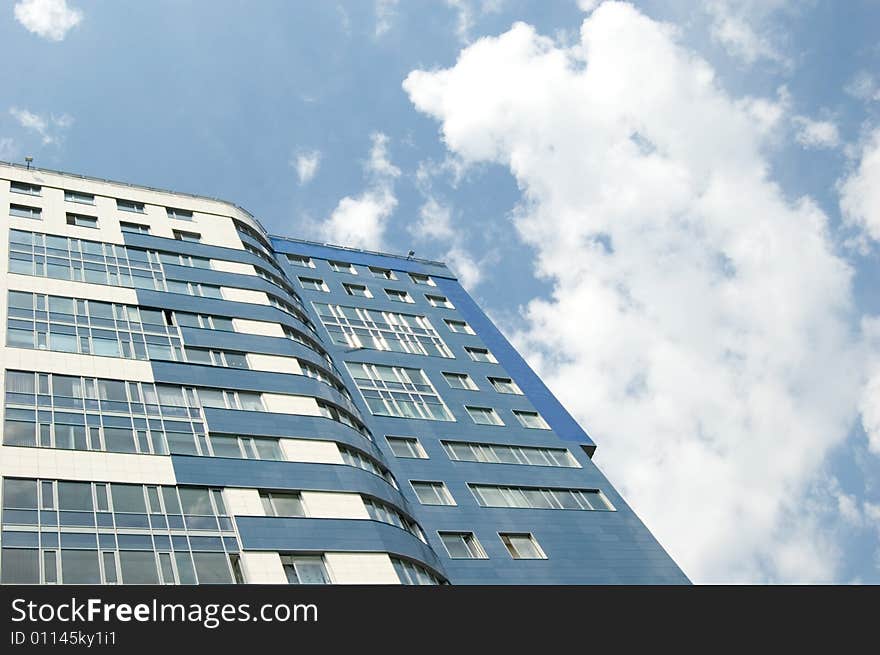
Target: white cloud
pixel 870 399
pixel 465 267
pixel 50 19
pixel 587 5
pixel 863 86
pixel 816 134
pixel 48 129
pixel 860 191
pixel 8 149
pixel 466 13
pixel 435 221
pixel 385 12
pixel 678 331
pixel 306 164
pixel 746 30
pixel 360 221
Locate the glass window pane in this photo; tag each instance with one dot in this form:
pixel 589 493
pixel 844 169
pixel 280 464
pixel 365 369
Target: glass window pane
pixel 80 567
pixel 138 567
pixel 20 565
pixel 128 498
pixel 195 501
pixel 212 568
pixel 75 496
pixel 19 493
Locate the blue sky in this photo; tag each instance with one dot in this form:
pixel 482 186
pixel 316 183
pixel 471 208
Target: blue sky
pixel 672 208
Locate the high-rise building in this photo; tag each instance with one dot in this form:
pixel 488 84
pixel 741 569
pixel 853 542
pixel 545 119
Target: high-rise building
pixel 191 400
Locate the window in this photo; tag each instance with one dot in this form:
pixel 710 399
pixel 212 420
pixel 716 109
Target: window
pixel 502 454
pixel 313 284
pixel 426 280
pixel 24 211
pixel 432 493
pixel 406 447
pixel 439 301
pixel 459 327
pixel 380 511
pixel 81 198
pixel 505 385
pixel 357 290
pixel 305 569
pixel 134 227
pixel 25 188
pixel 462 545
pixel 105 534
pixel 130 206
pixel 343 267
pixel 180 235
pixel 383 273
pixel 484 416
pixel 245 447
pixel 361 461
pixel 358 327
pixel 300 260
pixel 530 419
pixel 90 327
pixel 398 391
pixel 282 504
pixel 398 296
pixel 179 214
pixel 522 545
pixel 480 355
pixel 460 381
pixel 81 220
pixel 216 357
pixel 539 498
pixel 411 573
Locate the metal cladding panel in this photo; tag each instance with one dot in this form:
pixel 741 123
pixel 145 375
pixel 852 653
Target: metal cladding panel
pixel 336 535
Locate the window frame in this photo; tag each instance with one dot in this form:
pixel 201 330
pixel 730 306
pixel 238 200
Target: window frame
pixel 505 540
pixel 469 542
pixel 494 412
pixel 419 449
pixel 435 484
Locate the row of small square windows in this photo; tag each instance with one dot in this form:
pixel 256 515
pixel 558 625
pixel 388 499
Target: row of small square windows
pixel 375 271
pixel 362 291
pixel 89 199
pixel 83 220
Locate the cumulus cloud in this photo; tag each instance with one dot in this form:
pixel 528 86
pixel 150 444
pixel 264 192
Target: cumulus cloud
pixel 700 322
pixel 860 190
pixel 746 30
pixel 306 165
pixel 435 221
pixel 50 19
pixel 816 134
pixel 360 221
pixel 48 128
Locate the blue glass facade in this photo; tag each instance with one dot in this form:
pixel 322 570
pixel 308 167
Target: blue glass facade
pixel 266 365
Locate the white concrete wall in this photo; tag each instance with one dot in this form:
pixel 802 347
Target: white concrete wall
pixel 287 404
pixel 334 505
pixel 244 295
pixel 243 502
pixel 274 363
pixel 262 328
pixel 311 450
pixel 361 568
pixel 85 465
pixel 262 568
pixel 232 267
